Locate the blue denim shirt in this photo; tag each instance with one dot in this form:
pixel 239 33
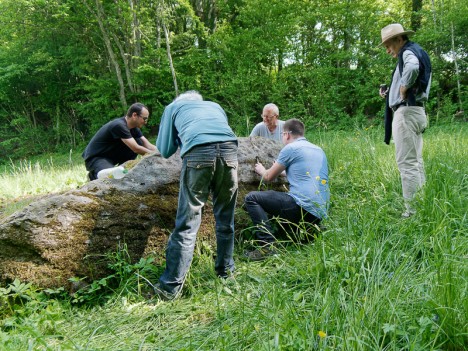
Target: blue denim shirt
pixel 307 173
pixel 187 123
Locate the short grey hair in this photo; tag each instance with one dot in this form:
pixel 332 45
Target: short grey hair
pixel 271 107
pixel 192 95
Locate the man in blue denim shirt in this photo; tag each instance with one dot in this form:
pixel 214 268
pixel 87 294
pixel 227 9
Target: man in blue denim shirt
pixel 208 148
pixel 308 197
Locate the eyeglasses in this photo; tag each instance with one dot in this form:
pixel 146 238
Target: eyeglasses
pixel 145 119
pixel 268 117
pixel 289 132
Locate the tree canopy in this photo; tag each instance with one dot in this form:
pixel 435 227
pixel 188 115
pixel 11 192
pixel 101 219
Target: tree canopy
pixel 69 66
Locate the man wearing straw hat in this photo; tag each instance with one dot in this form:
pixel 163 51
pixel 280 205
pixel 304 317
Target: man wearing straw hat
pixel 405 117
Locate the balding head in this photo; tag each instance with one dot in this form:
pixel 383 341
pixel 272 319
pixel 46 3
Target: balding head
pixel 272 108
pixel 270 116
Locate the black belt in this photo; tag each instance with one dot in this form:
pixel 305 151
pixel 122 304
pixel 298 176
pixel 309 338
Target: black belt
pixel 405 103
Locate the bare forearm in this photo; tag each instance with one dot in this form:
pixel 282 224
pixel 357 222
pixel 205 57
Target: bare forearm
pixel 141 150
pixel 403 91
pixel 266 176
pixel 148 145
pixel 270 174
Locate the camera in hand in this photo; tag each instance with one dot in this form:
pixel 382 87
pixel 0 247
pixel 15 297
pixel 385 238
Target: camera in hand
pixel 383 89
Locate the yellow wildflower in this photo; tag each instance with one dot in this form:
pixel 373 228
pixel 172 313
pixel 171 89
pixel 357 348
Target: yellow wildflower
pixel 322 334
pixel 324 181
pixel 317 177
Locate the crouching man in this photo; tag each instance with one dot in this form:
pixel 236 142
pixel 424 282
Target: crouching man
pixel 308 197
pixel 118 141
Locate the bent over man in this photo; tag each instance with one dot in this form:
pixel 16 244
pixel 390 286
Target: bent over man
pixel 208 148
pixel 118 141
pixel 306 169
pixel 405 116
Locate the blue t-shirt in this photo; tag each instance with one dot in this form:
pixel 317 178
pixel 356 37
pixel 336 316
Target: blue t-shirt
pixel 187 123
pixel 307 173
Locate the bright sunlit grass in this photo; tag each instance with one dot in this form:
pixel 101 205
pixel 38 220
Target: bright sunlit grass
pixel 23 180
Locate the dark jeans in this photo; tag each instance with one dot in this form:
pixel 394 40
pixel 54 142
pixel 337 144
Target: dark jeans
pixel 210 168
pixel 262 204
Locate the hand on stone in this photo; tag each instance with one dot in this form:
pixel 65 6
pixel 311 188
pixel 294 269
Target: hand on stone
pixel 259 168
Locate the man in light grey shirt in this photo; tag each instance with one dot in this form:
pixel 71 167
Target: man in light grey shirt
pixel 271 127
pixel 405 117
pixel 407 79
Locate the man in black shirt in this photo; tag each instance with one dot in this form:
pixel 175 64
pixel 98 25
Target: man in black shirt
pixel 118 141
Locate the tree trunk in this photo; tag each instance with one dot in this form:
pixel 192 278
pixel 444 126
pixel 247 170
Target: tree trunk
pixel 416 14
pixel 99 17
pixel 33 114
pixel 280 59
pixel 457 72
pixel 162 23
pixel 437 52
pixel 158 31
pixel 134 62
pixel 434 16
pixel 57 125
pixel 136 30
pixel 126 61
pixel 158 40
pixel 169 56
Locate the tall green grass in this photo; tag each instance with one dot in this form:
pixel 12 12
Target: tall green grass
pixel 22 181
pixel 370 281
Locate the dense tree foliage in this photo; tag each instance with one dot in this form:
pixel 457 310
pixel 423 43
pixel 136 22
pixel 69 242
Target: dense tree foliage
pixel 68 66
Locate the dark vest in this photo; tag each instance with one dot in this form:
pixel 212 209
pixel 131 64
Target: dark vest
pixel 419 85
pixel 425 70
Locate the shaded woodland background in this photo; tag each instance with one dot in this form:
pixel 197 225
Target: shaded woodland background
pixel 68 66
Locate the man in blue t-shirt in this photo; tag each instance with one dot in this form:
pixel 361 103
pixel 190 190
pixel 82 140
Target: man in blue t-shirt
pixel 306 169
pixel 208 148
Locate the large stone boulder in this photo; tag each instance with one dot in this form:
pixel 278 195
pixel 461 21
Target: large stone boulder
pixel 68 235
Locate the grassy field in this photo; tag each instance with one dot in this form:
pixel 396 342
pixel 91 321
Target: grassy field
pixel 22 181
pixel 371 281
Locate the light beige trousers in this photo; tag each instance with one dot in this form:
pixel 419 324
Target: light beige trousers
pixel 408 124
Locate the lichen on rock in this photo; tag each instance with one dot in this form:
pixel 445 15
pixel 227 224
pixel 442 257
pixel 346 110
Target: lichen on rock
pixel 68 235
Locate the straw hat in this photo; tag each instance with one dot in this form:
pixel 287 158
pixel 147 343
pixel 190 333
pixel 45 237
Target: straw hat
pixel 393 30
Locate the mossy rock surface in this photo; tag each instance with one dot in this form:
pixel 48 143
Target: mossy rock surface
pixel 68 235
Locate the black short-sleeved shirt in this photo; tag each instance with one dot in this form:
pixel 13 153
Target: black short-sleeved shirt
pixel 107 143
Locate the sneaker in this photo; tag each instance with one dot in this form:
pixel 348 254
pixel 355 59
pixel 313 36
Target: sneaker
pixel 408 214
pixel 225 275
pixel 162 294
pixel 259 254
